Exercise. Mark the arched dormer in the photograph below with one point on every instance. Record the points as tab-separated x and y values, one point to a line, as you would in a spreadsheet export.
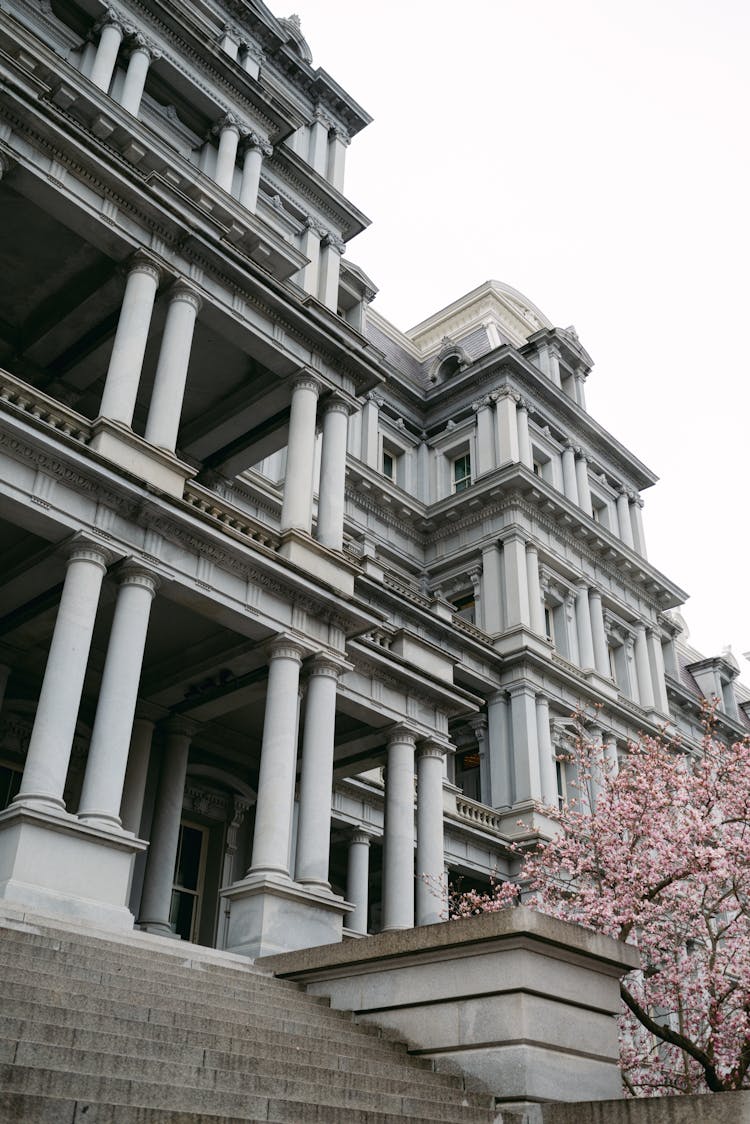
449	361
296	39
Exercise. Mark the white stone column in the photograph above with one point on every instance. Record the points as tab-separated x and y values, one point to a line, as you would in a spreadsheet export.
330	529
499	751
312	234
370	451
330	266
278	760
547	764
398	840
131	337
486	458
507	427
524	440
163	421
318	150
228	130
526	776
536	616
492	612
255	149
571	629
52	736
630	664
107	762
296	510
639	535
582	480
643	668
583	626
610	755
570	483
656	660
515	574
111	32
358	880
430	848
598	635
230	39
623	518
580	383
141	56
338	142
134	786
156	898
316	779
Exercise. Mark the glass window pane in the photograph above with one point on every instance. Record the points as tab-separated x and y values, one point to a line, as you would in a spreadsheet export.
189	857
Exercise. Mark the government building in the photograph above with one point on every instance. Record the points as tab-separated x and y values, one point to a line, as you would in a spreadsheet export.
297	608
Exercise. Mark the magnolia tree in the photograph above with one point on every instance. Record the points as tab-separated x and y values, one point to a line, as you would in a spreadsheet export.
657	853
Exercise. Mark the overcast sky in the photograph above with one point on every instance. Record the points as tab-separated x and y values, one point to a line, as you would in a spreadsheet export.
594	155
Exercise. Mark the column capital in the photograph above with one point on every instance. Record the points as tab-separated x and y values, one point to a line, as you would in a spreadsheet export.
582	585
322	118
110	18
402	734
142	262
137	41
360	835
83	548
184	291
336	404
337	244
341	135
581	454
178	725
594	593
227	122
532	548
432	747
134	572
306	381
250	139
284	647
327	665
522	689
311	222
479	725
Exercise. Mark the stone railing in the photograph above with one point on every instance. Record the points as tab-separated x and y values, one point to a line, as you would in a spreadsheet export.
405	591
35	405
471	811
218	510
471	629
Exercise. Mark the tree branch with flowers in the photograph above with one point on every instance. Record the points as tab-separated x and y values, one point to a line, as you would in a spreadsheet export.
657	853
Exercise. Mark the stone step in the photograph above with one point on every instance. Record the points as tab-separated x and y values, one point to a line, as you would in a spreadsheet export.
280	1109
221	1052
276	1078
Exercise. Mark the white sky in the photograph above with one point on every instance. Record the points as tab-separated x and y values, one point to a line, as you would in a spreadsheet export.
594	155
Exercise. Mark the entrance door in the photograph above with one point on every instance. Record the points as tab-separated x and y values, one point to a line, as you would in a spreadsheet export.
187	889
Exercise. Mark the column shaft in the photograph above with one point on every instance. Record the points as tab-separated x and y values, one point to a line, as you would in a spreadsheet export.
430	850
598	635
126	361
156	899
507	430
251	168
316	781
164	413
486	459
337	145
330	529
51	742
536	616
358	881
308	275
582	480
398	843
547	765
107	762
499	750
296	510
623	519
226	157
526	776
639	535
328	281
135	80
515	574
318	150
643	668
110	39
524	439
570	484
273	818
583	627
134	786
492	592
657	672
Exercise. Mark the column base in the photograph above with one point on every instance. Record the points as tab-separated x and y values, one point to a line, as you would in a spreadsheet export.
55	866
155	466
159	929
327	566
269	914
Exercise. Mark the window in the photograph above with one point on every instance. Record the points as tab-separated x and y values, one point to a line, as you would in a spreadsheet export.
10	782
388	465
461	473
537	467
468	775
466	607
549	624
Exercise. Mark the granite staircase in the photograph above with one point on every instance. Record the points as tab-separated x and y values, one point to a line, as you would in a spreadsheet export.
136	1029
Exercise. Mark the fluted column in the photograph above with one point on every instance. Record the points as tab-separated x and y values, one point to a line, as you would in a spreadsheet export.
255	149
330	266
358	880
316	780
111	32
131	337
330	529
134	785
526	775
623	518
228	129
296	510
156	899
52	736
430	849
570	483
516	602
164	413
583	627
598	635
547	765
524	439
107	762
141	56
643	669
398	840
278	759
536	616
582	480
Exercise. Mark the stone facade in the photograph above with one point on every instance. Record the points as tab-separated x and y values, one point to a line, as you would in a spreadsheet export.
295	605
